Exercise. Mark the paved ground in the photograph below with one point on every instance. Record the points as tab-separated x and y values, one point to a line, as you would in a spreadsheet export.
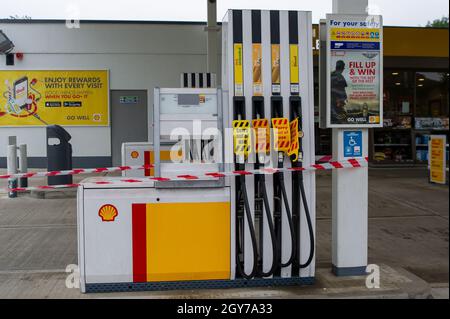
408	238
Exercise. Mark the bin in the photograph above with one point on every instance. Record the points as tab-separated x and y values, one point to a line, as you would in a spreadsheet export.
59	154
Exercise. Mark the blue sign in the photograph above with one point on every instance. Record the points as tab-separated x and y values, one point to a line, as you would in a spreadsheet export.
353	45
353	144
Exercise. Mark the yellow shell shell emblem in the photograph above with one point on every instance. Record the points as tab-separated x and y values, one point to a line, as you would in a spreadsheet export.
108	213
134	154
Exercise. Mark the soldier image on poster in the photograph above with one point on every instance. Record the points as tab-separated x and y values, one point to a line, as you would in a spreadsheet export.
338	92
354	87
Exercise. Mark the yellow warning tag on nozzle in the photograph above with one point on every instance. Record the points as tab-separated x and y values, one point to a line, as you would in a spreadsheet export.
262	135
294	146
282	135
242	137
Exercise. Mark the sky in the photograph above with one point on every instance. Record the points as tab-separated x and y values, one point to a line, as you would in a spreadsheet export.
395	12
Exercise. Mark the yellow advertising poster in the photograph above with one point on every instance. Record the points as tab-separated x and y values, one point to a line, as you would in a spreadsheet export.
238	72
68	98
437	159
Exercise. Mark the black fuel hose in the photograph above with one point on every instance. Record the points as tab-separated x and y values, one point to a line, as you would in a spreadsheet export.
290	222
251	227
291	225
297	114
271	230
310	227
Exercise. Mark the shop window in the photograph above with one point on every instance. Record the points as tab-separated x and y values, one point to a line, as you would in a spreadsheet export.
431	94
431	111
393	143
398	93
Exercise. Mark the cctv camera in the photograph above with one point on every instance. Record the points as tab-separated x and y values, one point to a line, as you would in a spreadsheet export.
5	43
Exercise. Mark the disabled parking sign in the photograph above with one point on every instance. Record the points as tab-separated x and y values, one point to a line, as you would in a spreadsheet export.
352	143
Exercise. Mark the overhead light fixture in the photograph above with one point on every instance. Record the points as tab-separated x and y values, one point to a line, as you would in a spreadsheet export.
419	85
6	44
394	73
398	83
421	79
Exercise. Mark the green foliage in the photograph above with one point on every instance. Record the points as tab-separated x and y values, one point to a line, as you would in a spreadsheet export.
438	23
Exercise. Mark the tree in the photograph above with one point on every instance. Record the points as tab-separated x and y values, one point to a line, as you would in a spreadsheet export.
438	23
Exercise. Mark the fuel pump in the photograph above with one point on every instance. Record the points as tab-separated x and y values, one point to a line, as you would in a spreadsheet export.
262	67
281	140
241	149
296	149
262	147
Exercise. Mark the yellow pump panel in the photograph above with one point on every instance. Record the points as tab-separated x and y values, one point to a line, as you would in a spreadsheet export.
188	241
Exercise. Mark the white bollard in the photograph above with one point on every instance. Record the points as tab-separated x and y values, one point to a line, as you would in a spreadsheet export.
11	164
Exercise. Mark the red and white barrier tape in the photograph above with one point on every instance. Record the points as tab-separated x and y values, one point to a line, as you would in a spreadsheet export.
77	171
350	163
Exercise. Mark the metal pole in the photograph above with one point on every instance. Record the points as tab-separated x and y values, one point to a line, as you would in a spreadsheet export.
11	164
23	164
211	30
349	191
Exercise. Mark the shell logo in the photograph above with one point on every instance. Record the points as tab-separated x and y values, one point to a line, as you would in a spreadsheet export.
134	154
97	117
108	213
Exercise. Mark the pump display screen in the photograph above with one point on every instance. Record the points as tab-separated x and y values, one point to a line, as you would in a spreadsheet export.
188	99
185	103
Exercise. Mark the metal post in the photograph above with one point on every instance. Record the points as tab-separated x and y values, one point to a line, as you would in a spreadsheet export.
11	164
211	30
349	191
23	164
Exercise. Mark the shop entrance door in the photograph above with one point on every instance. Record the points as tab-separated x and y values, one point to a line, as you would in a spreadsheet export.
128	120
